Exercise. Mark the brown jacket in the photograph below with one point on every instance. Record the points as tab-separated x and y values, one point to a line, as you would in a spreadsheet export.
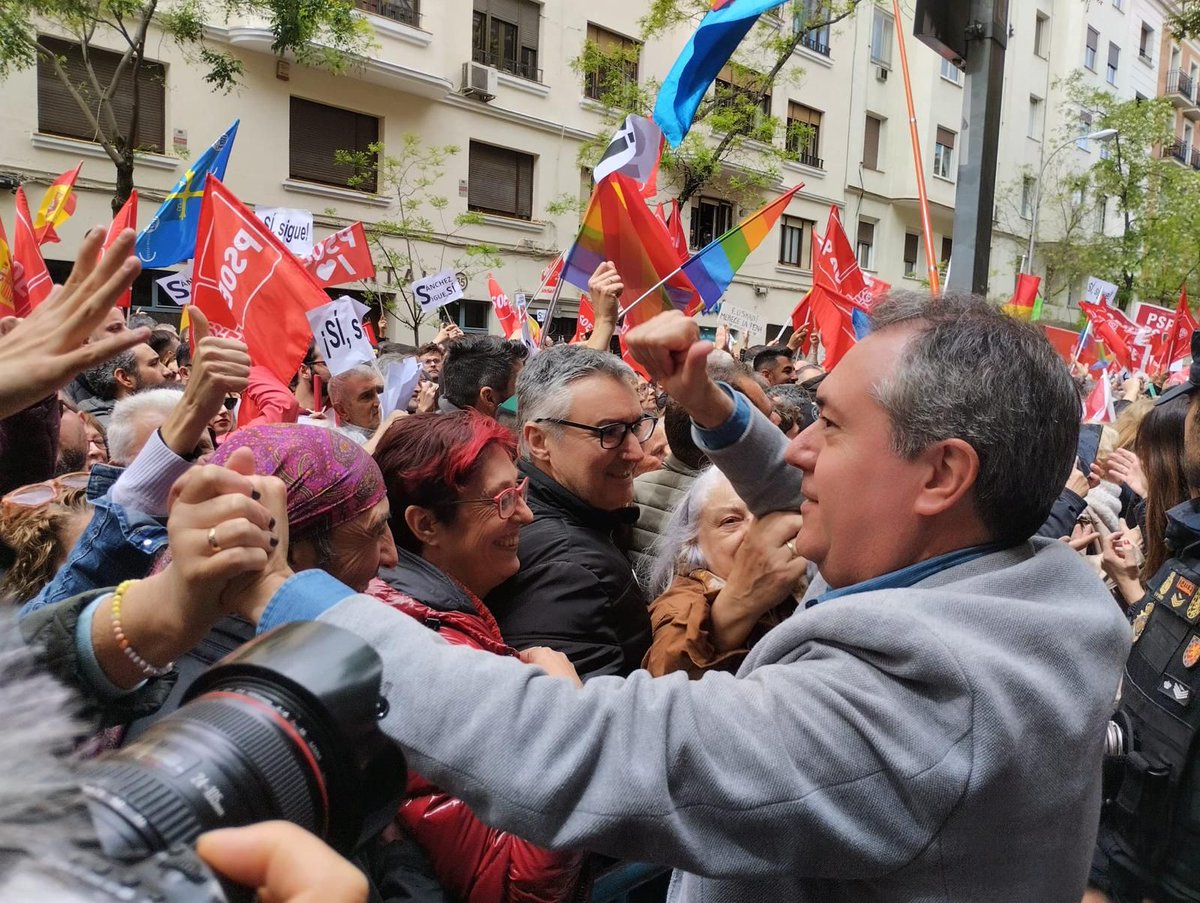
682	624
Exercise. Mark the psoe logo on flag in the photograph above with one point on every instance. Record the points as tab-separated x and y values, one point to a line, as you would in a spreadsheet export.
245	264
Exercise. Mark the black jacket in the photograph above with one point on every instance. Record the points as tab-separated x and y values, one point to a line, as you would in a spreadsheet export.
575	592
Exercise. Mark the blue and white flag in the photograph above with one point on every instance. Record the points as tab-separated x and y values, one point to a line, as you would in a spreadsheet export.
170	236
701	60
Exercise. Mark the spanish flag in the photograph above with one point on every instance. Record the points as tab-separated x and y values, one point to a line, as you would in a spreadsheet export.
7	305
57	206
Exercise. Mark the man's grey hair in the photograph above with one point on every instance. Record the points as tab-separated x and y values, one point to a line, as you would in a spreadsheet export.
102	378
128	413
676	550
544	386
337	385
973	373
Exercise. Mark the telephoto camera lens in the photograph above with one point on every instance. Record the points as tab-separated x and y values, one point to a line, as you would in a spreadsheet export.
286	727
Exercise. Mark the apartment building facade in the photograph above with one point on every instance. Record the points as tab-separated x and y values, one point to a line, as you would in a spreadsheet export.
434	64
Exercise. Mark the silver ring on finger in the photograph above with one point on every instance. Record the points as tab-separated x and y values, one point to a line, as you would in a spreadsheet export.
212	539
791	547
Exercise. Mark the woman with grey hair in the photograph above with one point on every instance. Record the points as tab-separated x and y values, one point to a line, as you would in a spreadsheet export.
722	579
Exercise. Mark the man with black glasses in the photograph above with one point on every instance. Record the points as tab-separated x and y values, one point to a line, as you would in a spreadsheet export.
581	428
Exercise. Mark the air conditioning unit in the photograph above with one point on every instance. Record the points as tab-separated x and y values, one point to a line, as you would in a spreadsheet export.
881	73
479	81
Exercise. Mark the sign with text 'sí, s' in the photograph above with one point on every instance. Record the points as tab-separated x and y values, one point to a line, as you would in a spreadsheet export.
1097	289
746	322
437	290
178	286
338	330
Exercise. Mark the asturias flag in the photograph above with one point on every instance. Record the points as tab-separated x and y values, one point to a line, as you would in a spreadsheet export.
706	52
170	236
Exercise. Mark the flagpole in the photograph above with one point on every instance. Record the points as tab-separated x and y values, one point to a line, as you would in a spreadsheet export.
708	247
926	225
550	310
545	282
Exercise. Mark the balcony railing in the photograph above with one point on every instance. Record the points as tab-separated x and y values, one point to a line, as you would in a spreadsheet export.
523	68
406	11
812	42
1179	84
1178	151
808	159
1145	56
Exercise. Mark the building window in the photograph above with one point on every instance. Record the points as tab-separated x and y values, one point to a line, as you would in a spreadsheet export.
1028	196
1089	51
1036	108
504	34
58	111
1041	35
318	131
1114	62
711	218
881	38
865	247
406	11
804	134
951	72
1146	45
614	66
501	181
1101	212
911	250
795	242
871	138
744	96
1085	129
810	20
947	251
1118	4
943	153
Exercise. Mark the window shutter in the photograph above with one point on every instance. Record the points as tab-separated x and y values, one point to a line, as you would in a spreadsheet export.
871	143
866	233
1114	56
318	132
501	181
1093	39
58	113
528	23
910	248
800	113
945	137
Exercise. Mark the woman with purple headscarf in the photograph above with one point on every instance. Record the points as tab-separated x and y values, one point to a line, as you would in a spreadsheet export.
337	504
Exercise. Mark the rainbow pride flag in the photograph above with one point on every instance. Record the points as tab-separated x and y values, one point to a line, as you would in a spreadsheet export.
712	268
619	226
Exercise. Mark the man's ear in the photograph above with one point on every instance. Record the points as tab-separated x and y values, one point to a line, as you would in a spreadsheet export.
953	470
423	524
487	402
536	442
123	379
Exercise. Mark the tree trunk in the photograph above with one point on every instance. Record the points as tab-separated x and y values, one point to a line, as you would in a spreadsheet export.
124	181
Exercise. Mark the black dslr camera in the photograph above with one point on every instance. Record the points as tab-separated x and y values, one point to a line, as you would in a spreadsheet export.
286	727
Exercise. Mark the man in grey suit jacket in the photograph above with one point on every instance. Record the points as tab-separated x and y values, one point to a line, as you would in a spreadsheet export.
927	728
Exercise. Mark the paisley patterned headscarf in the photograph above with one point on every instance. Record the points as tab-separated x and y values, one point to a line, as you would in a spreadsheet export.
330	480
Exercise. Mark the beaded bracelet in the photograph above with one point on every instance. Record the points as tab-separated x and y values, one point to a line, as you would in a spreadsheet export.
119	635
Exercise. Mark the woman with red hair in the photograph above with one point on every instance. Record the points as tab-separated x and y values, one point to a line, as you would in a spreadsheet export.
457	509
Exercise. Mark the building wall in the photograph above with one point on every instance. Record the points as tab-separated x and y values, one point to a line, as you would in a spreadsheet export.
412	79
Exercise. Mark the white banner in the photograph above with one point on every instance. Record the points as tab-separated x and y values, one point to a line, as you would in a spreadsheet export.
746	322
178	286
339	332
292	227
399	382
1096	288
437	290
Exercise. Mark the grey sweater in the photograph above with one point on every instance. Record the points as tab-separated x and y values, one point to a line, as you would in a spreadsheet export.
940	742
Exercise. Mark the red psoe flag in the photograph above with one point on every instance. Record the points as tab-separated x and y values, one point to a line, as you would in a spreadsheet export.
31	279
250	286
840	263
341	258
126	218
1180	341
1098	407
1115	329
505	313
587	320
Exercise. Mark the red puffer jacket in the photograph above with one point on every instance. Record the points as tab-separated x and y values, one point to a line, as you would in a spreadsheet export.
475	863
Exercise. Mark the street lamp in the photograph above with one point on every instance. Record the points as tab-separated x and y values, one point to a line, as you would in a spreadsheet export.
1101	135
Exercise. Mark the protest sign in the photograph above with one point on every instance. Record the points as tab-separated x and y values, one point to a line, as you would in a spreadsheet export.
1097	288
746	322
339	333
399	382
437	290
292	227
342	257
178	286
1155	318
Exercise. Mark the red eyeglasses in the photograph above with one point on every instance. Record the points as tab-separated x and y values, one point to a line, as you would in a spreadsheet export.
505	501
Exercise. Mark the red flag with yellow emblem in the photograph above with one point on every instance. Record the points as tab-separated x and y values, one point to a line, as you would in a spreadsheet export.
58	203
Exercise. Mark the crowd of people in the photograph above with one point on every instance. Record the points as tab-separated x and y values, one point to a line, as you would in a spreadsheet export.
900	596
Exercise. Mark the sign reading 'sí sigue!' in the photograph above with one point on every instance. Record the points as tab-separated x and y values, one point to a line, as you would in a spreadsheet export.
292	227
437	290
